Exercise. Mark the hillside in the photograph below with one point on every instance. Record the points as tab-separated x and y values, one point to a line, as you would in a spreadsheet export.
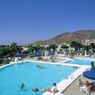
70	36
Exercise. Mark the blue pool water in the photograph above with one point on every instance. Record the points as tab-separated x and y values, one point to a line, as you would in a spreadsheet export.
32	75
80	61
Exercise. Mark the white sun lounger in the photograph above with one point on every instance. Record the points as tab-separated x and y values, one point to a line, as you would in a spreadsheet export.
84	90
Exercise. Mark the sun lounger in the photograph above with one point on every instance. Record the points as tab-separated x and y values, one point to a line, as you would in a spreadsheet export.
84	89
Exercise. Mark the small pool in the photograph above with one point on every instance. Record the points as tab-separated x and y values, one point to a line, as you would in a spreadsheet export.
80	61
33	75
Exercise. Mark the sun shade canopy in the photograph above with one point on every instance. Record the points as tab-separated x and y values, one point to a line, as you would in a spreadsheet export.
89	74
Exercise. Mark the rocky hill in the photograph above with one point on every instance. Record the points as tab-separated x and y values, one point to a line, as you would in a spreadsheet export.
70	36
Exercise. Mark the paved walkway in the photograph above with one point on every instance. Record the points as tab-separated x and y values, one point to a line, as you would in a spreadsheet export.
73	89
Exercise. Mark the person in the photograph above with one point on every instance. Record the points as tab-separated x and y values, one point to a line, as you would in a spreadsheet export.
41	67
35	89
92	65
41	90
83	82
22	86
54	88
87	83
80	84
91	87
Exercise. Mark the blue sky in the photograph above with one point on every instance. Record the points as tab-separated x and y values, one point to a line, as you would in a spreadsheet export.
25	21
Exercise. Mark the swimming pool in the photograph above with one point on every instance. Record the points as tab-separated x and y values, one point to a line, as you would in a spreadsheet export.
33	75
80	61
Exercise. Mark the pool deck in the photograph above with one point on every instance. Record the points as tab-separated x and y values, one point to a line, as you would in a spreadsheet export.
73	89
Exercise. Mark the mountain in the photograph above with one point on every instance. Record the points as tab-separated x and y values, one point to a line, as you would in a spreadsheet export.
67	37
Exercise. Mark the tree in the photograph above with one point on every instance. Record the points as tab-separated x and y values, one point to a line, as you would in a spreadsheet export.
86	48
4	51
14	49
76	45
52	46
64	47
4	54
31	48
38	48
92	46
35	48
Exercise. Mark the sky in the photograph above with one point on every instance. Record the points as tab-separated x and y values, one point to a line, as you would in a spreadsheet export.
26	21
